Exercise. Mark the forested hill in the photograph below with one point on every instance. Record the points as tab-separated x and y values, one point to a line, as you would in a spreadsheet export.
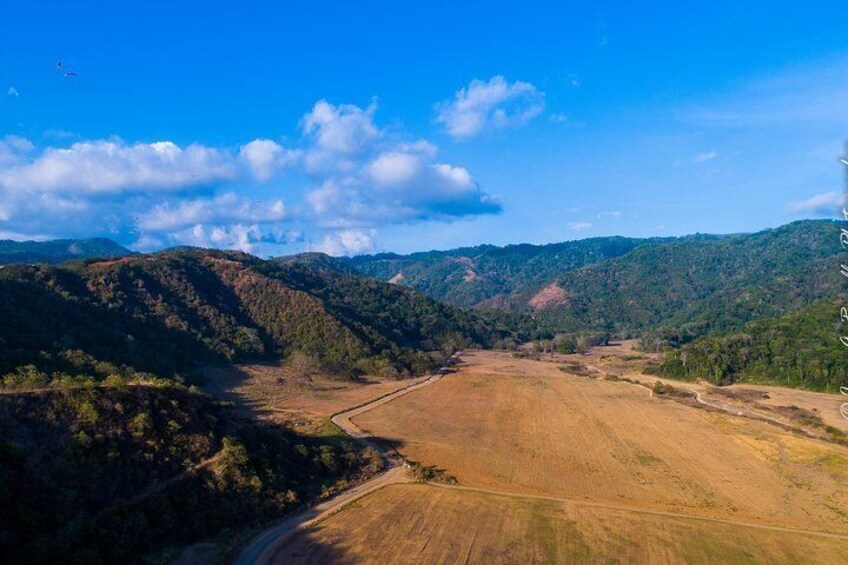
470	276
695	286
690	284
165	313
799	349
58	250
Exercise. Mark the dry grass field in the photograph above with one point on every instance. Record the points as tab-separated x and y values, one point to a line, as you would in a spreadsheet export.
271	391
428	524
523	426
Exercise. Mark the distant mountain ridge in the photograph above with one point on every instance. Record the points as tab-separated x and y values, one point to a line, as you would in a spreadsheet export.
473	276
58	250
629	286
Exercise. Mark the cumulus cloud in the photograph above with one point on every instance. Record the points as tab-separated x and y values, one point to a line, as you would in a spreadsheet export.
495	104
114	166
826	204
225	208
403	183
237	236
346	242
14	150
342	129
266	158
352	176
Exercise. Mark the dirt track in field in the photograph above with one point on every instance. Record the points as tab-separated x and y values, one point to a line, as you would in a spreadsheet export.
558	467
522	426
427	524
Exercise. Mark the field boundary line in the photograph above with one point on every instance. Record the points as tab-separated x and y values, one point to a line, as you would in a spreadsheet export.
662	513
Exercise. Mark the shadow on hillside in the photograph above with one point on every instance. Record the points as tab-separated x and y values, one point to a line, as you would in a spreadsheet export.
262	390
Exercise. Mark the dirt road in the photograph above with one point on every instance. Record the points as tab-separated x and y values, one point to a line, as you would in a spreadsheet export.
261	550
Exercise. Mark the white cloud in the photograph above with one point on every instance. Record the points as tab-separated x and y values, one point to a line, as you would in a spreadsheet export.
237	236
401	184
266	158
495	104
113	167
579	226
559	118
358	177
225	208
14	150
826	204
612	214
704	157
346	242
13	92
395	168
341	129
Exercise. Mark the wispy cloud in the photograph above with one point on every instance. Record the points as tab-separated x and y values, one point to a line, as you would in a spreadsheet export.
612	214
487	105
704	157
812	94
579	226
826	204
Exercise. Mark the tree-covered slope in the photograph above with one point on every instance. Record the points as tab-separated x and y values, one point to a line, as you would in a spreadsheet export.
472	276
165	313
58	250
700	285
111	474
799	349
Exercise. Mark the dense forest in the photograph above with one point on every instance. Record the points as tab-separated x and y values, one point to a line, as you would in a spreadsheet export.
695	286
477	276
109	474
798	349
684	286
163	314
58	250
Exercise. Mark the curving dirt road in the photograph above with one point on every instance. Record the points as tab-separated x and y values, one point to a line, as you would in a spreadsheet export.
264	548
261	549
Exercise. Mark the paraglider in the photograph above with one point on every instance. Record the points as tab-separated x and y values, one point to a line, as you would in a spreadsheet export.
70	74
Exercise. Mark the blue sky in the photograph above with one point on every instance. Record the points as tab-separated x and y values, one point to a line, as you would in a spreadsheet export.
372	126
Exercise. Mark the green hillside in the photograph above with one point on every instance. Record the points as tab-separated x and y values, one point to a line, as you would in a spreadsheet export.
798	349
110	474
165	313
472	276
694	286
674	287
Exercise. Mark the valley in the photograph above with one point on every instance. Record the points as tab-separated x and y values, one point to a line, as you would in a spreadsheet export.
571	467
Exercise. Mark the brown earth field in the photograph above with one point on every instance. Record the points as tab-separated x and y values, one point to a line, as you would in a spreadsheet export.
527	427
273	392
558	467
622	359
427	524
